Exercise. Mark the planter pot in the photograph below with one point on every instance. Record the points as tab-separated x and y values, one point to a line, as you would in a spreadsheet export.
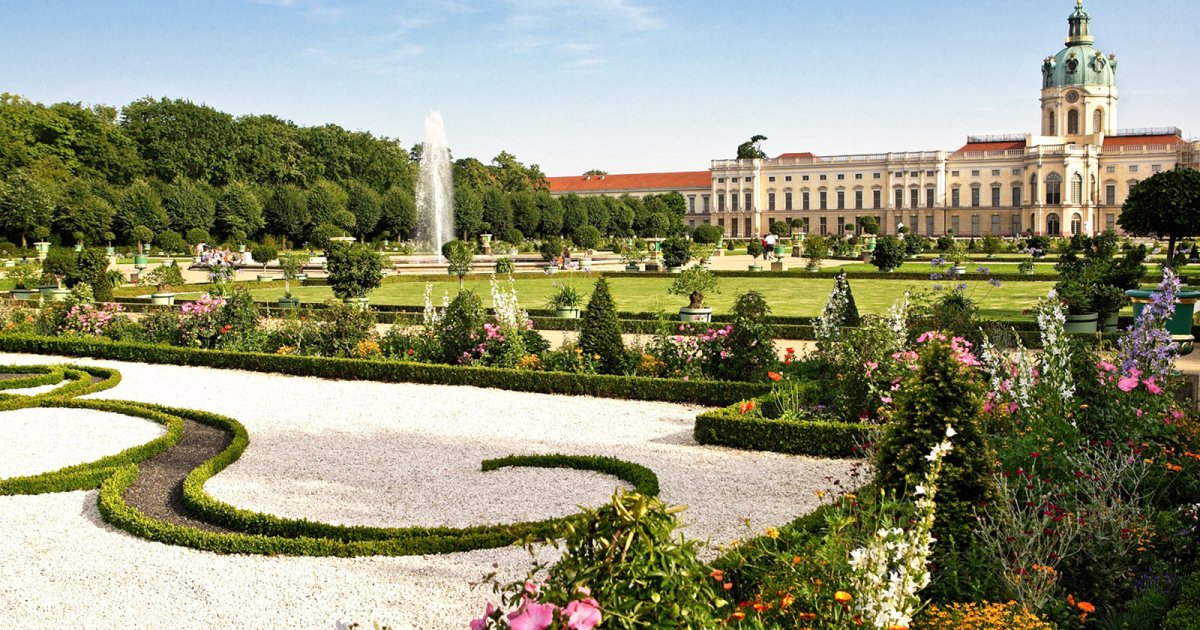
695	314
1108	323
866	257
653	266
22	294
10	263
633	268
42	248
357	302
301	277
755	268
1084	323
959	269
59	295
780	250
813	268
1180	325
585	264
141	259
674	269
289	302
78	247
110	251
265	277
796	251
570	312
162	299
45	290
551	268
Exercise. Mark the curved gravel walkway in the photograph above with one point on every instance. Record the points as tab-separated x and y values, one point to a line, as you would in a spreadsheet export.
371	454
158	491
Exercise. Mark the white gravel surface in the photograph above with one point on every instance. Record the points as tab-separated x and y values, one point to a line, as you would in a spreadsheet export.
34	441
374	454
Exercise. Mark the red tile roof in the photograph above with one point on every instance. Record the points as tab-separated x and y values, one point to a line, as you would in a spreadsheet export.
992	146
1134	141
796	155
636	181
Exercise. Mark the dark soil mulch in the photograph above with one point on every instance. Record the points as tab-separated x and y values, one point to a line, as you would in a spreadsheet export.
158	491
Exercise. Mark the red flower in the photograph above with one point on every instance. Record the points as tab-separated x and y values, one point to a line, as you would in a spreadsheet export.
226	328
746	406
775	376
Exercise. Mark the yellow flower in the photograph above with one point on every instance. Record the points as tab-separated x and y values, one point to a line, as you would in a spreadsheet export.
842	597
772	532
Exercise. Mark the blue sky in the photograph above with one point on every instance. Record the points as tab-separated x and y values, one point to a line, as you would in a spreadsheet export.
620	85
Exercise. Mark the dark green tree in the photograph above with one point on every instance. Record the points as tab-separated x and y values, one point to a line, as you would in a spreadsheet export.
189	206
364	204
83	211
751	149
600	334
140	205
325	201
398	213
468	213
239	211
751	341
179	139
25	206
287	214
497	211
527	216
1167	205
574	214
551	211
354	270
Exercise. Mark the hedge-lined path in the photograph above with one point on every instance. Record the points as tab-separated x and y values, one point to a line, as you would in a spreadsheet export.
158	491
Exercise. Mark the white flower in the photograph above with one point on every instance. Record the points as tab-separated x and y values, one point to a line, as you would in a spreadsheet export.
920	491
950	432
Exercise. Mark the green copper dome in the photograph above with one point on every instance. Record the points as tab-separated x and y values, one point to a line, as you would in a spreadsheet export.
1079	63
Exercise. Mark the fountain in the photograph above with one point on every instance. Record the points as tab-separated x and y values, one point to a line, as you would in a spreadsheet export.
435	187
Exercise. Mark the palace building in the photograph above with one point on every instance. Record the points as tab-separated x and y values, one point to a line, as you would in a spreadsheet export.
1070	177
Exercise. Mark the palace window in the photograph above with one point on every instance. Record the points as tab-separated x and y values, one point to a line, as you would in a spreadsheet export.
995	172
1073	122
996	224
899	198
804	200
858	199
841	200
1156	168
824	226
974	173
1016	196
975	197
749	201
1077	189
787	200
1051	123
1110	194
954	224
1053	189
1111	168
691	204
914	197
823	199
787	178
705	204
733	202
955	197
877	199
841	176
858	176
771	179
1076	224
1098	121
1053	227
771	201
930	197
995	196
1133	168
974	225
1016	224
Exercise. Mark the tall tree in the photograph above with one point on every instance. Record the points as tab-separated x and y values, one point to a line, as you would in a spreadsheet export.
398	213
239	213
325	201
287	213
497	212
83	213
574	213
189	206
26	205
140	205
468	213
551	211
752	149
364	204
179	139
527	216
1167	205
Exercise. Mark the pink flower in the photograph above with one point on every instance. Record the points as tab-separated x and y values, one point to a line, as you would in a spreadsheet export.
1013	407
532	616
582	614
1152	387
1106	366
481	623
1139	413
531	588
887	400
1127	383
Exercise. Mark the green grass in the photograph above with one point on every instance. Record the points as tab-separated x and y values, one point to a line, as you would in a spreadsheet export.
787	296
971	265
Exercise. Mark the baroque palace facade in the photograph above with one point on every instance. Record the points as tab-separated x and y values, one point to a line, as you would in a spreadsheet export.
1070	178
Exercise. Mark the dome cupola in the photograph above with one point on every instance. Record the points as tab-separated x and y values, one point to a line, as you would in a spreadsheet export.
1079	63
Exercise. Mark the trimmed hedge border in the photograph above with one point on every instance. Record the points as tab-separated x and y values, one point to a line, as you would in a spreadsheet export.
40	375
707	393
1186	611
265	533
818	438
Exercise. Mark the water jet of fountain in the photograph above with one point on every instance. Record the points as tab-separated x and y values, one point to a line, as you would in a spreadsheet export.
435	187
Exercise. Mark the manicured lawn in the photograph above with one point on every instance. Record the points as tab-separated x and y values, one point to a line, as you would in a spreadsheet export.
971	265
787	296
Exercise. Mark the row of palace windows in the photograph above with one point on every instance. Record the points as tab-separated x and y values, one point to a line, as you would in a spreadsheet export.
1053	225
1073	127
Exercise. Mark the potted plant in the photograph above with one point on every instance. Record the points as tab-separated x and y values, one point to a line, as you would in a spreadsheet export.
632	256
694	283
1026	266
588	239
550	249
816	247
755	249
459	256
292	266
1077	289
141	235
42	245
25	281
565	300
956	255
356	270
264	254
59	263
108	248
676	253
164	279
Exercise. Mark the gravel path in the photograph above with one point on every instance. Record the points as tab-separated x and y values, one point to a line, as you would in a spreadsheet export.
372	454
34	441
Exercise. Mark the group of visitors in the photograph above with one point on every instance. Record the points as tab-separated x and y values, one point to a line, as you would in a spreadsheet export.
216	256
768	244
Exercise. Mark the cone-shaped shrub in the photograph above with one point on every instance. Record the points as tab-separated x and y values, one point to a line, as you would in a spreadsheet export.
850	313
600	335
942	391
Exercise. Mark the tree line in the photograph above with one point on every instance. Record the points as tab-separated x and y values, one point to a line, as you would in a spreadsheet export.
186	172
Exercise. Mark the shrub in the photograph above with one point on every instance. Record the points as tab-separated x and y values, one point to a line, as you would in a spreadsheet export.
550	248
60	262
320	235
514	236
751	341
24	276
754	248
504	265
354	270
816	249
848	316
163	278
586	237
341	327
195	236
945	242
291	265
707	234
940	393
915	244
600	335
141	235
868	224
91	269
171	242
992	245
889	253
780	229
676	252
458	331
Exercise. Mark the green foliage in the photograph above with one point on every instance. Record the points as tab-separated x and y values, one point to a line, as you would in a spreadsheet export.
600	335
550	248
140	205
754	248
60	262
26	204
171	242
366	206
24	276
468	213
263	253
754	432
354	270
398	213
189	206
565	296
889	253
287	213
780	229
239	212
751	342
941	393
321	235
195	236
91	269
164	277
505	265
1166	205
944	243
676	252
992	245
752	149
182	140
641	570
915	244
849	316
586	237
458	331
341	327
459	256
868	224
325	201
1187	607
816	249
708	234
694	283
141	235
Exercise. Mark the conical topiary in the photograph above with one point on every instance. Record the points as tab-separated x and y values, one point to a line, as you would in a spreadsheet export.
600	335
850	312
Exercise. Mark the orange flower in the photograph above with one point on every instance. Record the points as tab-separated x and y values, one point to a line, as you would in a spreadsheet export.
772	532
807	616
717	575
727	586
841	597
1086	607
787	601
739	615
775	376
1071	600
796	560
746	406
